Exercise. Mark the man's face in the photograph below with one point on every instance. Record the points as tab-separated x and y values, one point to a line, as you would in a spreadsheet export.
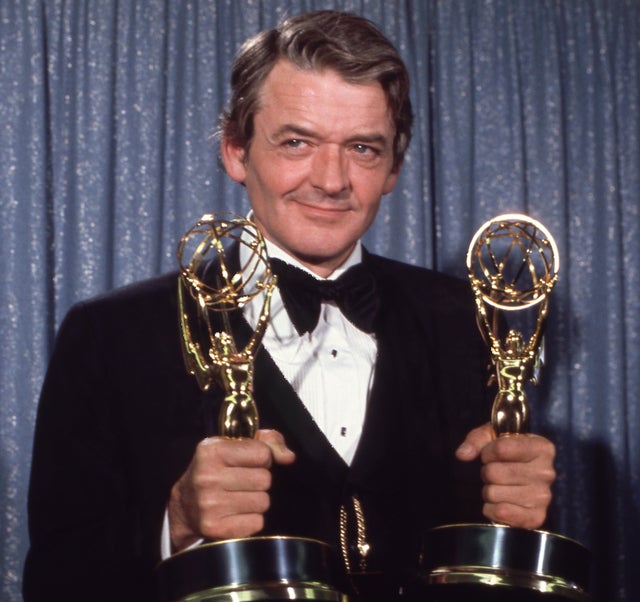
320	159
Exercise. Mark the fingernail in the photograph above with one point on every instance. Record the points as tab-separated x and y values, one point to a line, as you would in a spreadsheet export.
465	449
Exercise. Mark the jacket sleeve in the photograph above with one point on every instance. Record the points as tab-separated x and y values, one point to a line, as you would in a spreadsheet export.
86	541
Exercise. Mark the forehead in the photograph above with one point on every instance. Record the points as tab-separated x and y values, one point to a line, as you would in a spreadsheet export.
323	99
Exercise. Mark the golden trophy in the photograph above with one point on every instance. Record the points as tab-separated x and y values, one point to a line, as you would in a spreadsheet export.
210	292
513	264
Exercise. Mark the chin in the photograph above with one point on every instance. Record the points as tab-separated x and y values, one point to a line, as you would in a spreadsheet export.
330	258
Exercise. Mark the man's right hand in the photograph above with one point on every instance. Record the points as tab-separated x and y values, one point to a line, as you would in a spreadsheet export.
223	494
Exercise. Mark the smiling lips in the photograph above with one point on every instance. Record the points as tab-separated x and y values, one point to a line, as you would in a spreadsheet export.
321	203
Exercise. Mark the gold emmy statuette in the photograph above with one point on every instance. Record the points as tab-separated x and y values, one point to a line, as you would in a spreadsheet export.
513	265
209	292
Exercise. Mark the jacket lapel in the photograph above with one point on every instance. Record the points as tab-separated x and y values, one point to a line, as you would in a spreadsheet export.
402	377
281	408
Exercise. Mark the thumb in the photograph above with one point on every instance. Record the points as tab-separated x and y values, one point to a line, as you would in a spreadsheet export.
276	443
475	442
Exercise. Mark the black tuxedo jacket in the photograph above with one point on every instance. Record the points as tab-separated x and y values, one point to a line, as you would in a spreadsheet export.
119	419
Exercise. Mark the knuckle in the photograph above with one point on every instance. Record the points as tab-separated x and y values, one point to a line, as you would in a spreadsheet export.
264	480
542	448
550	474
491	473
544	498
535	519
503	448
258	523
263	502
198	479
210	527
272	436
503	513
263	455
201	480
546	447
490	494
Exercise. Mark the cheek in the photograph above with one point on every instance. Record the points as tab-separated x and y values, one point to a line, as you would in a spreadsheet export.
261	188
271	180
372	212
371	195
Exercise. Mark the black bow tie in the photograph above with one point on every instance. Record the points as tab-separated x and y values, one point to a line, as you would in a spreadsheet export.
354	292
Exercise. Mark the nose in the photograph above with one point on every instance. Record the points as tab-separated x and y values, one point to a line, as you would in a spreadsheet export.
329	171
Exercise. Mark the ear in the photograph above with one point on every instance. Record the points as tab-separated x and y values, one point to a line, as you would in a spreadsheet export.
233	160
391	180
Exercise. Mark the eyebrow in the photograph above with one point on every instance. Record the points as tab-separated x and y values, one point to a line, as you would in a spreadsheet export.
297	130
290	128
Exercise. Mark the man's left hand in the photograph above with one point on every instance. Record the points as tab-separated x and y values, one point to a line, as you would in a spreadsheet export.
517	471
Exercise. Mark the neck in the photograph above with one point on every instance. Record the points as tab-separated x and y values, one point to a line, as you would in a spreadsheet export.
319	268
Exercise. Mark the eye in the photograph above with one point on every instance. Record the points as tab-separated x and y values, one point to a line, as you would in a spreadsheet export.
295	147
294	143
366	154
363	149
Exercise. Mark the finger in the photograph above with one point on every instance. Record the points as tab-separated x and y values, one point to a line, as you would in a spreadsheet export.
514	515
248	479
214	452
518	473
276	443
475	441
222	505
519	448
233	527
233	479
528	496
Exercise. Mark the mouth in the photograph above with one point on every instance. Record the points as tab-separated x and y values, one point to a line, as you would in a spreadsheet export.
322	208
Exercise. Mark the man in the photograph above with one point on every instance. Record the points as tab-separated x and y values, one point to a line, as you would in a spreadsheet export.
371	422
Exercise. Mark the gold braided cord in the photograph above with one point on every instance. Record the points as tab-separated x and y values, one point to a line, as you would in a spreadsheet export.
362	545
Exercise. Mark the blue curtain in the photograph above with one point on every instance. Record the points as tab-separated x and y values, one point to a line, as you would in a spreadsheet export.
107	111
